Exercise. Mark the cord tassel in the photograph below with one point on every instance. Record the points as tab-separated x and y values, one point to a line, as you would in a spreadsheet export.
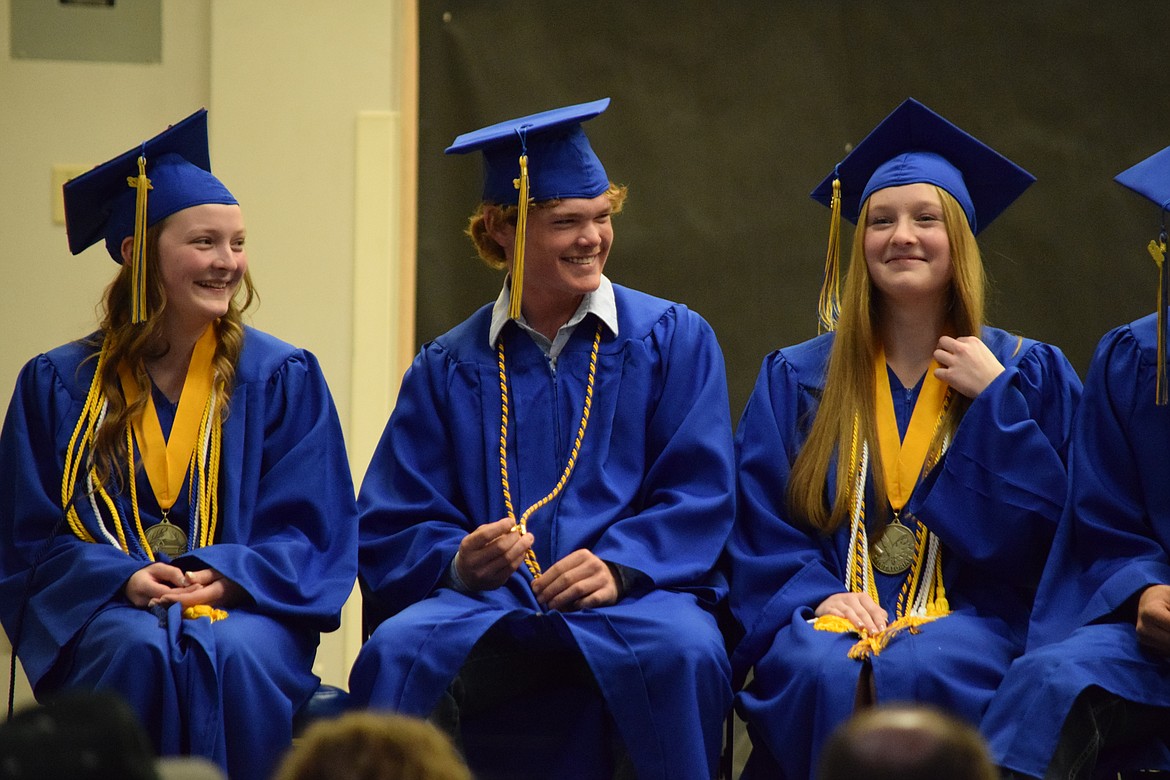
521	233
829	304
1158	252
138	253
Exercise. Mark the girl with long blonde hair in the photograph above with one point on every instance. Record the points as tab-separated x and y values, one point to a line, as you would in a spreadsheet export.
900	475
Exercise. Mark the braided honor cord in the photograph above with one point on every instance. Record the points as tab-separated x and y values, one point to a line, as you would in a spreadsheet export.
521	524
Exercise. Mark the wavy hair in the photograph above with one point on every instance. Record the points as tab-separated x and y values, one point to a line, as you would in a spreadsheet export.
134	345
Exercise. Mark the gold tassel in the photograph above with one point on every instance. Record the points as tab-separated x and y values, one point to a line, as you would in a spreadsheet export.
1158	252
829	305
204	610
939	606
836	624
521	232
872	646
138	253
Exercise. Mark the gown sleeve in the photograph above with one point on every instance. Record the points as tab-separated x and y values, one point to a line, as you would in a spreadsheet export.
288	530
996	496
776	566
1114	536
51	582
684	508
412	515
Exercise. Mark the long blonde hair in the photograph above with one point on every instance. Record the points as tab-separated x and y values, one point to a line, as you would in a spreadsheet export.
134	345
849	379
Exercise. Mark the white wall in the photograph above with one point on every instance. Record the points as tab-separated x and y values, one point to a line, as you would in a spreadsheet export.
76	112
289	83
287	86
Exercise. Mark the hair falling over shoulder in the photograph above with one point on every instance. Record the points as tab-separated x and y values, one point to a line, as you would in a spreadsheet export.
849	380
134	345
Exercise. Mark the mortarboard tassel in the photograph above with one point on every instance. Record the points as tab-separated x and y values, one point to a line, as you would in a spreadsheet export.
521	233
1158	252
829	305
138	253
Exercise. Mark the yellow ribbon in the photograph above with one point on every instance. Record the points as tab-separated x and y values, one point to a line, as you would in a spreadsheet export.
902	459
166	461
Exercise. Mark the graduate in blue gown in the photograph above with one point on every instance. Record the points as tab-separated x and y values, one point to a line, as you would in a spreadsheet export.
900	476
551	493
1092	693
177	517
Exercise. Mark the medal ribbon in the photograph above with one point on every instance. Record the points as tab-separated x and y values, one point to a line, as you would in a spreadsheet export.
902	459
166	460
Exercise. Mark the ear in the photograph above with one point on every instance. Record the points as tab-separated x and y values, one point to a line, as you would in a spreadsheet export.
127	249
501	230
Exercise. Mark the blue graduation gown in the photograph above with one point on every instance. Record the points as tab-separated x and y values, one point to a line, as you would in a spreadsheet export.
1113	542
652	491
287	534
993	500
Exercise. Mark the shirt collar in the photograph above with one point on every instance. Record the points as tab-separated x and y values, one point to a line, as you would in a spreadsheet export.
601	303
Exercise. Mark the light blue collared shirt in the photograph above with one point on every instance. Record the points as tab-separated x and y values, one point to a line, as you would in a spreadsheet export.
600	303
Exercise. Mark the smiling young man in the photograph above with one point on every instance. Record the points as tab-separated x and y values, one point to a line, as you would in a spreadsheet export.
542	515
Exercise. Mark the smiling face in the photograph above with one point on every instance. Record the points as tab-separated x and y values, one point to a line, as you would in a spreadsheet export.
564	255
201	262
907	247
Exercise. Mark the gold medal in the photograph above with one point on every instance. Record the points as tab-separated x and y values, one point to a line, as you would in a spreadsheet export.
894	551
166	537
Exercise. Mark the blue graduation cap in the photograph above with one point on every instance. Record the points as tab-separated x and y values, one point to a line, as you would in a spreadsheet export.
1151	179
535	158
561	163
135	190
913	145
910	146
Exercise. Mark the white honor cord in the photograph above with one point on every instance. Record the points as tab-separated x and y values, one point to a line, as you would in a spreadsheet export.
856	527
91	490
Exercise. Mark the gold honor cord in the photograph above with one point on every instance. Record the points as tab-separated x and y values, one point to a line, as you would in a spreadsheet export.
77	457
83	433
829	303
1157	251
167	462
521	524
922	597
138	253
205	472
